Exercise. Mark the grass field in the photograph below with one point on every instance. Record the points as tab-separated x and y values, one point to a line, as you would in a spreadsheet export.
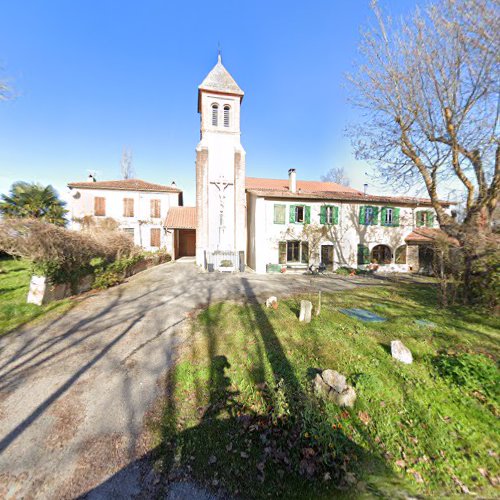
240	413
14	284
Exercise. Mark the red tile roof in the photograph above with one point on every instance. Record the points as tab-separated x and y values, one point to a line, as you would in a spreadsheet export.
310	186
428	235
181	218
274	188
126	185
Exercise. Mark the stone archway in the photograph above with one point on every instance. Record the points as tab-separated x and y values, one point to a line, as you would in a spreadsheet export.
381	254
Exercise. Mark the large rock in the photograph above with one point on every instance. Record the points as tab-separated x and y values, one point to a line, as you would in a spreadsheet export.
400	352
334	379
345	398
305	311
332	385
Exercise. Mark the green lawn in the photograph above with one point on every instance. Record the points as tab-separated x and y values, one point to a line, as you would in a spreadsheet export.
240	413
14	284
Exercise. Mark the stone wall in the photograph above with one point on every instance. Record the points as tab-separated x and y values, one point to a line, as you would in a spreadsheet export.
42	292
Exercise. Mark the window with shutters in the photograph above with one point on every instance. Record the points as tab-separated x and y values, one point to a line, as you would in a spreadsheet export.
128	207
300	214
329	215
99	206
293	252
156	208
155	237
227	111
425	218
390	216
368	216
279	214
215	115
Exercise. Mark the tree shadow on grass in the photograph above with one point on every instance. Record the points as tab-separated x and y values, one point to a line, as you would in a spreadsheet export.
283	447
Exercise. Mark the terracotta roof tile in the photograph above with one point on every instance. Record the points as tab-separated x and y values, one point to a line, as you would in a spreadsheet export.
181	218
309	186
126	185
356	197
428	235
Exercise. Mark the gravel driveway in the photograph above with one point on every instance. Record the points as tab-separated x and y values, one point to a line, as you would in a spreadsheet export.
74	390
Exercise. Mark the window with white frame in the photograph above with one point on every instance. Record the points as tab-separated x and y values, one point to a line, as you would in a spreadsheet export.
368	215
389	216
329	215
299	213
297	252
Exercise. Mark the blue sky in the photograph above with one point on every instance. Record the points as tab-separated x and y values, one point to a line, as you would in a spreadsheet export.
91	77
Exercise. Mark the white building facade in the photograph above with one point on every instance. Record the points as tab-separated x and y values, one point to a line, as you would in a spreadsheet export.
139	208
321	224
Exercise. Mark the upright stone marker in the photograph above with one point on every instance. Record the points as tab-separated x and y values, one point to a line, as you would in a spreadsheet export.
305	311
400	352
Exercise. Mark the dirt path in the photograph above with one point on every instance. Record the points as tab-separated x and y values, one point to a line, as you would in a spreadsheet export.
74	391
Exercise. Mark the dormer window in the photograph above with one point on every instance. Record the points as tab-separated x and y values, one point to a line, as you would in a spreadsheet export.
215	114
227	109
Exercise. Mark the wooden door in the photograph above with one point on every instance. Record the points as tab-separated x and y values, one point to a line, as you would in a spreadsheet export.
187	242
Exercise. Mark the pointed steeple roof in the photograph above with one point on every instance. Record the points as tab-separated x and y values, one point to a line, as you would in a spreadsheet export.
219	80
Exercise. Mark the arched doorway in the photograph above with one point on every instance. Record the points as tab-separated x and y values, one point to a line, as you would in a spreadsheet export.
381	254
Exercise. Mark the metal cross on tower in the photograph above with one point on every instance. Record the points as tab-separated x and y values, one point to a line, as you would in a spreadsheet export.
221	184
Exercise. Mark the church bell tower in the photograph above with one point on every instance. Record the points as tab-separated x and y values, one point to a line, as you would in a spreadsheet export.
220	167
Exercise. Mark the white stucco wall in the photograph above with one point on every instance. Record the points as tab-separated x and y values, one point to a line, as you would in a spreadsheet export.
82	204
264	236
222	143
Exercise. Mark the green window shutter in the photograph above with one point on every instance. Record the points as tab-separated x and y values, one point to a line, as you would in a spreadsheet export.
429	221
395	217
282	252
279	214
362	215
322	215
382	216
335	215
420	219
307	217
292	213
363	254
375	216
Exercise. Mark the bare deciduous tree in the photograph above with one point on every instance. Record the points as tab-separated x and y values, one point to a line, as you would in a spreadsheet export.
127	168
336	175
429	90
